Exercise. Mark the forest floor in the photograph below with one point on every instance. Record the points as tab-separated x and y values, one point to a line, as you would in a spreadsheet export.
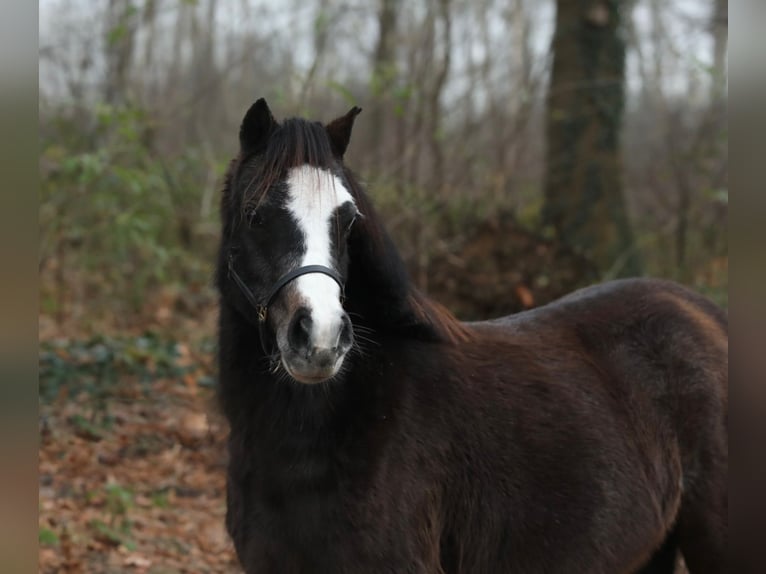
132	459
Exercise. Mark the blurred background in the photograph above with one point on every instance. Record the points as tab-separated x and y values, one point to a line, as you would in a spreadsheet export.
517	149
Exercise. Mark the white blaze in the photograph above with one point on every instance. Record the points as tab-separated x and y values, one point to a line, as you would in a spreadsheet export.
313	196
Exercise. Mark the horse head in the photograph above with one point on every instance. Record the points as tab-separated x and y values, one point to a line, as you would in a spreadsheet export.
287	215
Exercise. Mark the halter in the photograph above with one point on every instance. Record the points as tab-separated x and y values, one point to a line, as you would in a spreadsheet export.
262	308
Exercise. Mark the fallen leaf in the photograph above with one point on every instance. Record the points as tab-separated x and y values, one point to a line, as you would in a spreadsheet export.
525	296
136	560
193	428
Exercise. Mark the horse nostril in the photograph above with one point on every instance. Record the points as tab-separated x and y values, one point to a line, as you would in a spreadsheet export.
299	334
346	333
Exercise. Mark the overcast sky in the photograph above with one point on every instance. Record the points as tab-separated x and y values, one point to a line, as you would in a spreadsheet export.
73	30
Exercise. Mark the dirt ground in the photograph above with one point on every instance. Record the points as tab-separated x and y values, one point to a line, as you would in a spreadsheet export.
132	461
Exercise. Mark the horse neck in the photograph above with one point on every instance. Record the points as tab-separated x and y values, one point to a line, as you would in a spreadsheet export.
254	393
379	293
275	422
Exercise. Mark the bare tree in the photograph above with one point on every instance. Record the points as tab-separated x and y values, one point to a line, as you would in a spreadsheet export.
720	30
435	134
384	74
583	184
203	70
149	24
119	42
322	32
176	66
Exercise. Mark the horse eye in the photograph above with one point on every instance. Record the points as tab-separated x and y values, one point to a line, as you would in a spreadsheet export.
255	218
356	216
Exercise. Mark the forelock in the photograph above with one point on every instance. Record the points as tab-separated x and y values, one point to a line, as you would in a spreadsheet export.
295	143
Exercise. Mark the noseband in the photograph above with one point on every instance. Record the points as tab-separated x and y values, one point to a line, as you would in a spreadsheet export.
262	307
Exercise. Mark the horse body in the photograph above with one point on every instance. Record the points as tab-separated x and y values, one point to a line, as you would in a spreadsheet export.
577	437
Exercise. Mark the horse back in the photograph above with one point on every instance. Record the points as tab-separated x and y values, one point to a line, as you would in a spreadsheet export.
659	345
634	326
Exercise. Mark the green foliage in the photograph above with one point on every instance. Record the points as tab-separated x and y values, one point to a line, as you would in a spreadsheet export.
160	499
47	537
96	366
84	427
120	32
117	535
340	89
383	78
117	529
719	195
118	500
121	216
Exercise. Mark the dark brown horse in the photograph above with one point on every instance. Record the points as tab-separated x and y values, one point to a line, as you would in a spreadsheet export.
372	432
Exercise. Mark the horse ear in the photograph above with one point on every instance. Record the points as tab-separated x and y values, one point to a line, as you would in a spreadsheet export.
339	131
257	126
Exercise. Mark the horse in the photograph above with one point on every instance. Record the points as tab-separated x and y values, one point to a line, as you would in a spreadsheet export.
370	431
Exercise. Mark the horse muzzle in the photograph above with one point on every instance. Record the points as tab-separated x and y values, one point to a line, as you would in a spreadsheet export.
322	365
315	352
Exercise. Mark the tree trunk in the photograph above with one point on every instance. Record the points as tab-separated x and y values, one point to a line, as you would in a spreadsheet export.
178	66
720	31
119	41
434	105
322	33
426	54
583	200
204	84
384	75
148	77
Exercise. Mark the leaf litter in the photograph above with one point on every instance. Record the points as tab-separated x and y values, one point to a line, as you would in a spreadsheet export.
132	459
